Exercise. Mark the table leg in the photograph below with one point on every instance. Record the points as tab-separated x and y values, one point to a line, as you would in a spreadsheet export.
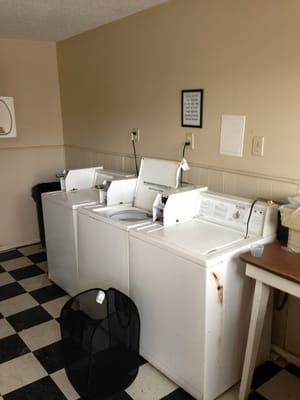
259	307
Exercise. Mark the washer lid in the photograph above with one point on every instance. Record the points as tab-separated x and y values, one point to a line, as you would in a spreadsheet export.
154	177
196	238
73	199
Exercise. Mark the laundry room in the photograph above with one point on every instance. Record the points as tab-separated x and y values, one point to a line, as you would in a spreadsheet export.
149	172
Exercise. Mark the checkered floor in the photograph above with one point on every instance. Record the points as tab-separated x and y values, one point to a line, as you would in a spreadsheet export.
31	366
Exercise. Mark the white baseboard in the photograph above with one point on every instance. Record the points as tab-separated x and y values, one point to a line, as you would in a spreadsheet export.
290	358
14	246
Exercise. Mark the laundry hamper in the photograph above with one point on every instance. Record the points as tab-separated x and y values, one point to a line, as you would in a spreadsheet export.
291	219
100	335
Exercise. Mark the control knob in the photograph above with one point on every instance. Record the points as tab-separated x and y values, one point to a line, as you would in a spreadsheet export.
236	215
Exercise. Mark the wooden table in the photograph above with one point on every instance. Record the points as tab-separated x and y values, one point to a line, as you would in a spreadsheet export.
277	268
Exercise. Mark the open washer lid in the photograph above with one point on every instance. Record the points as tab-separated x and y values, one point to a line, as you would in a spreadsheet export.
155	176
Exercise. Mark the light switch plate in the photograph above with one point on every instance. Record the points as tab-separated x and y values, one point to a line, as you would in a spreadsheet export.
258	146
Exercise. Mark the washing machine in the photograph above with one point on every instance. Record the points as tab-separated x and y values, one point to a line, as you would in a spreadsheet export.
103	245
103	230
60	219
192	294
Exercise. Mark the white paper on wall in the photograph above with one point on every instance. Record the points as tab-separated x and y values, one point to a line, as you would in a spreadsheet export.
7	118
232	135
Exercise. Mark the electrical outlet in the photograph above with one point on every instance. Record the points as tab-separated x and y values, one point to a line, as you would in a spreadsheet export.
135	134
258	146
189	137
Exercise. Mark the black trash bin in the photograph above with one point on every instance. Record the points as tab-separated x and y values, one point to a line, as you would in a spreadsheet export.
100	337
36	192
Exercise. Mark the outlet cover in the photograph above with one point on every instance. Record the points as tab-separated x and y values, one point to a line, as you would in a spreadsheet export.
135	134
189	137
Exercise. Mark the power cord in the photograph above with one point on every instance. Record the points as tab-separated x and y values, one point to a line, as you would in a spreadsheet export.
135	159
249	216
279	304
186	144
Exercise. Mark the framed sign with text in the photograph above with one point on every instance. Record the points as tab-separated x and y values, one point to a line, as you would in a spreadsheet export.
192	108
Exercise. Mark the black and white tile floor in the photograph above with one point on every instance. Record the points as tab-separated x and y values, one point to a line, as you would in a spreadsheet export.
31	366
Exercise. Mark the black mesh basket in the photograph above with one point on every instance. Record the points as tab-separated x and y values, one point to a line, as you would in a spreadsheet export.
100	334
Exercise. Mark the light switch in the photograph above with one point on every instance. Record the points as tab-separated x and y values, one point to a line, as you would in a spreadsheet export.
258	146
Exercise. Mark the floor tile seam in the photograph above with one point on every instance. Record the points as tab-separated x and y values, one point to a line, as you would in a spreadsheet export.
17	356
27	309
22	387
26	354
33	326
20	255
47	345
26	266
17	285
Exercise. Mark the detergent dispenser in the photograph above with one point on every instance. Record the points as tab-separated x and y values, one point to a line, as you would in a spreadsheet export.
174	206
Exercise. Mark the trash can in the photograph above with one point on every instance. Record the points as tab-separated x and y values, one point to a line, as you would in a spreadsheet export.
100	338
36	192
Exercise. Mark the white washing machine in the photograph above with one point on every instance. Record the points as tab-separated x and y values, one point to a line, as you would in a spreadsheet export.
103	246
103	231
192	294
60	219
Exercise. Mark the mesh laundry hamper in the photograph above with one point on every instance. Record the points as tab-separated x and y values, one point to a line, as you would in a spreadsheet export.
100	335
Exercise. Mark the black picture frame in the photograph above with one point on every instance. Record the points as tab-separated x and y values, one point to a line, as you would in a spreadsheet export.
196	96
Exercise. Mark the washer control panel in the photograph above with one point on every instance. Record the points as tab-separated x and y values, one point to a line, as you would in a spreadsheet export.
233	212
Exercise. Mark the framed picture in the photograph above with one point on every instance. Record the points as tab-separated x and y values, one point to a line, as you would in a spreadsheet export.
192	108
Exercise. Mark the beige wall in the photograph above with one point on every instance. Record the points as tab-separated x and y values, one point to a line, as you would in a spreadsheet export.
28	72
128	74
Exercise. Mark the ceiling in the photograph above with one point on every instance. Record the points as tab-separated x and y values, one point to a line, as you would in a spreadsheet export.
55	20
